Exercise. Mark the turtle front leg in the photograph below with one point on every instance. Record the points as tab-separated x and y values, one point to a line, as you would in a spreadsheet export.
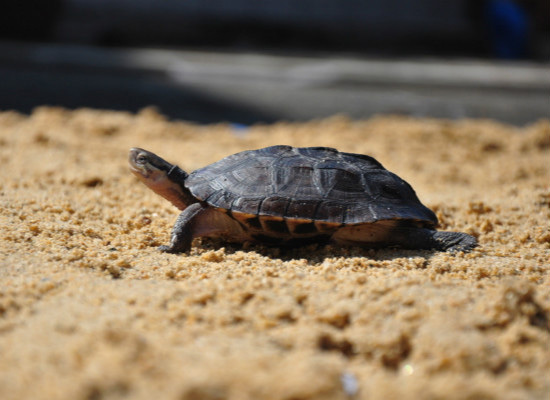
200	220
184	228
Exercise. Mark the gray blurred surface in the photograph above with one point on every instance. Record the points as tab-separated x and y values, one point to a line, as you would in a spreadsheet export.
248	88
374	24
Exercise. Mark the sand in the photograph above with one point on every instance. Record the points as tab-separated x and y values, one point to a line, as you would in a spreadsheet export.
89	309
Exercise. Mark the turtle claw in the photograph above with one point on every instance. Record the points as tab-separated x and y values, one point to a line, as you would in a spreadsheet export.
164	249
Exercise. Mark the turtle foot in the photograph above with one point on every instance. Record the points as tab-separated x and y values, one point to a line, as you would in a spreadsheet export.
169	249
454	241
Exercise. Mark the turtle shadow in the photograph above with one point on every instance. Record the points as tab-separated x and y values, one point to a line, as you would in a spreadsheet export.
318	253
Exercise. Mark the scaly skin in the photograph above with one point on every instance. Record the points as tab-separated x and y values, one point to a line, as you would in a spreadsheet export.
163	178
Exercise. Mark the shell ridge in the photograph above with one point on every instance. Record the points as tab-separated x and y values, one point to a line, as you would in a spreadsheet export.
273	175
260	203
317	178
317	208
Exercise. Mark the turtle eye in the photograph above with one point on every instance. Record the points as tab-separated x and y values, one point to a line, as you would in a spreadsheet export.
141	159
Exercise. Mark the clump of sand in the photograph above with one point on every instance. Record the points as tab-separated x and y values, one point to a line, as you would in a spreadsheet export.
89	309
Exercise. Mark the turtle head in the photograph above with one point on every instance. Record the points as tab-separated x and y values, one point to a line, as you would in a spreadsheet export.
159	175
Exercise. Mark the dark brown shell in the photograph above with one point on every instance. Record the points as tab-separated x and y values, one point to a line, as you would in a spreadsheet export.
311	183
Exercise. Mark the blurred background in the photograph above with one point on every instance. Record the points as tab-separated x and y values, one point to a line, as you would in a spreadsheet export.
248	61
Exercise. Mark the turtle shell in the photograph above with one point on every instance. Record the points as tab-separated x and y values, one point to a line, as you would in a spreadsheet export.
317	184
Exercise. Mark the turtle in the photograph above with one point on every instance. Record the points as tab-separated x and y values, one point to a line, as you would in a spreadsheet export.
290	196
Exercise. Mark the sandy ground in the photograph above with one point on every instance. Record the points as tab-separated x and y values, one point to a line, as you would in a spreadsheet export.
89	309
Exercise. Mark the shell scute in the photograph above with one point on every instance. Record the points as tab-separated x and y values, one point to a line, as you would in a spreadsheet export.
274	206
303	209
304	228
275	225
248	205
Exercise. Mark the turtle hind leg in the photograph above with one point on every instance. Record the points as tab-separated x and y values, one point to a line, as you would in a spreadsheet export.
429	239
453	241
403	234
